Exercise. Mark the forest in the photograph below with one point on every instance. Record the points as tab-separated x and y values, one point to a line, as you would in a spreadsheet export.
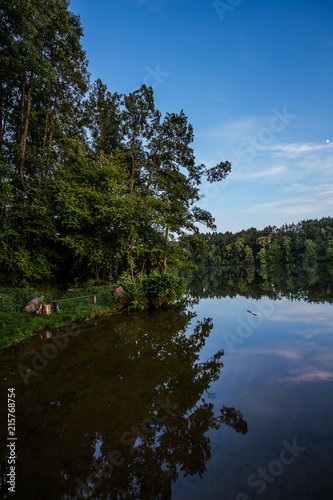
92	182
309	242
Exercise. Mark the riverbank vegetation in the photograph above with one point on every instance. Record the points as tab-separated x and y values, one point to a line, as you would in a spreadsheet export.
134	295
18	326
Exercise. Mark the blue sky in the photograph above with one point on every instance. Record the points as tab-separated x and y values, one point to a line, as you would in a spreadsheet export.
254	78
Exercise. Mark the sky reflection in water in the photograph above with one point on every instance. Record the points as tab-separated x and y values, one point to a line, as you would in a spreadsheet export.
279	374
141	398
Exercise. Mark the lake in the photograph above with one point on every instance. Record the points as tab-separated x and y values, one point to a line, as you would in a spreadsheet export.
227	397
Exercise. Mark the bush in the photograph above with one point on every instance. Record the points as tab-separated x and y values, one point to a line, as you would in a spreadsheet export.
134	295
163	289
13	299
155	290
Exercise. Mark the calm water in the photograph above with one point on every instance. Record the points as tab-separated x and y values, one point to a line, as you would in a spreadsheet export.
229	398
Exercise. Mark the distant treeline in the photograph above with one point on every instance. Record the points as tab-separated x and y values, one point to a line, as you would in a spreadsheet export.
308	241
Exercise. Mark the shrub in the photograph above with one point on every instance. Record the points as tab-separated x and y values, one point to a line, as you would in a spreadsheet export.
162	289
13	299
155	290
135	298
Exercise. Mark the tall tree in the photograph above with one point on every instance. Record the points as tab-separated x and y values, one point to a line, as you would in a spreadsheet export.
103	119
43	76
90	202
161	166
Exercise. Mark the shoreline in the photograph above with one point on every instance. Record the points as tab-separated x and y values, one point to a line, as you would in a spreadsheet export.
18	326
24	336
154	291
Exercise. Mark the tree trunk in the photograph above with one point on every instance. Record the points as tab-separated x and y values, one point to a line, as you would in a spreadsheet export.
143	266
48	154
44	310
2	127
97	274
22	109
130	256
165	248
49	128
133	160
104	274
151	172
24	125
46	128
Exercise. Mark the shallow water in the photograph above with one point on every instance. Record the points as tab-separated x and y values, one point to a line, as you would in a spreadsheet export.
230	398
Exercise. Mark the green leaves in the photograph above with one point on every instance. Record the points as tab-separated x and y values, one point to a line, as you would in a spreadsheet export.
155	290
308	242
90	183
219	172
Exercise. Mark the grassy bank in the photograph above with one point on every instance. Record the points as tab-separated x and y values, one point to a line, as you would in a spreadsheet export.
18	326
157	290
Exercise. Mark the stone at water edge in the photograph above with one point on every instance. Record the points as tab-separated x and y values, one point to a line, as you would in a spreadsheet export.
29	308
31	305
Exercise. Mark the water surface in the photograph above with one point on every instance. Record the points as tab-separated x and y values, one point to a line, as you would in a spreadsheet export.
229	398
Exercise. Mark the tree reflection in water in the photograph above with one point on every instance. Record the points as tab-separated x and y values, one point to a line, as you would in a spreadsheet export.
103	394
310	283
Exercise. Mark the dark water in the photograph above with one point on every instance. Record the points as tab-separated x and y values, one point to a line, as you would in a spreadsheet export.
229	398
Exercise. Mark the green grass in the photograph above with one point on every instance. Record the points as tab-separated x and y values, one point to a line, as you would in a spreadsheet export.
18	326
153	291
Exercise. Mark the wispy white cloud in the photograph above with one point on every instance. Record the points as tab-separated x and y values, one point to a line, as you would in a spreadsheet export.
320	162
303	313
298	188
321	189
296	149
268	173
320	199
236	131
325	190
311	374
284	180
